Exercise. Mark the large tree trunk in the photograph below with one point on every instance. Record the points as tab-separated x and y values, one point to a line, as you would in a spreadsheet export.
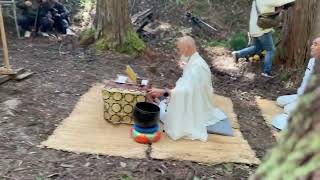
297	34
114	30
316	28
113	22
297	155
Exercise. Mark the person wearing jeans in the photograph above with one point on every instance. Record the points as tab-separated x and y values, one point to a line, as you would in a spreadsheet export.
262	38
260	44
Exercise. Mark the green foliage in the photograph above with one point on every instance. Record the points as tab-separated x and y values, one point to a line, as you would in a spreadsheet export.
180	2
126	177
238	41
39	178
102	44
87	36
218	43
200	7
87	3
285	76
133	44
276	35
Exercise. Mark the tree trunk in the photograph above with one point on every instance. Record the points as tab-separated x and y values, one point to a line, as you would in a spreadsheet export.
113	22
297	34
297	155
316	28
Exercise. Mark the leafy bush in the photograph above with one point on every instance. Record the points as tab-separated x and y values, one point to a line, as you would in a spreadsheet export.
238	41
102	44
219	43
180	2
87	36
133	44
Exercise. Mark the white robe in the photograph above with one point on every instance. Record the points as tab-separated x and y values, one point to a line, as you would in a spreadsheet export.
190	109
290	102
283	101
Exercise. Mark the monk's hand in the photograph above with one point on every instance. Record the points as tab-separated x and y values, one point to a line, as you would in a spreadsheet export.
155	93
182	64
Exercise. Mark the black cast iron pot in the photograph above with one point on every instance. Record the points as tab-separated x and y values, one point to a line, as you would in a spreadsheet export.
146	114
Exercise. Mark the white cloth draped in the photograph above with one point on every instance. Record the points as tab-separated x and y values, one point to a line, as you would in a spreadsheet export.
282	101
190	109
307	76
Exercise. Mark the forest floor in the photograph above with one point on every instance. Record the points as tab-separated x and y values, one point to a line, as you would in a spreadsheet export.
30	110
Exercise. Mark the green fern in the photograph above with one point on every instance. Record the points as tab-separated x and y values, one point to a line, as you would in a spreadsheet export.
238	41
133	44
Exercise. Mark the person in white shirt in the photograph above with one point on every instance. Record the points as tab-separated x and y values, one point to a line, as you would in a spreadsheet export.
190	109
289	102
261	38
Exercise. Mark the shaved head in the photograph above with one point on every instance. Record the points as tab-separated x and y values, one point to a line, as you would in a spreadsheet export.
186	46
187	41
315	48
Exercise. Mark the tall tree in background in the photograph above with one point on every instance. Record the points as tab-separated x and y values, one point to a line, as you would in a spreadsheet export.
113	29
299	30
316	28
297	155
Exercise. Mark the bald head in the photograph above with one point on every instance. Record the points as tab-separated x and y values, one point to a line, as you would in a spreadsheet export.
315	48
186	46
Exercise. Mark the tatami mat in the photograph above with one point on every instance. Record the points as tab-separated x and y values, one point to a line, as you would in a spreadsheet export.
269	109
86	131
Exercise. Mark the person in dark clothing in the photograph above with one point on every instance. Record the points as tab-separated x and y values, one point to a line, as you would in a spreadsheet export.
60	16
35	10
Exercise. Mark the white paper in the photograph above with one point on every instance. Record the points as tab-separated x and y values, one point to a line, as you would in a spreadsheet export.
144	82
121	79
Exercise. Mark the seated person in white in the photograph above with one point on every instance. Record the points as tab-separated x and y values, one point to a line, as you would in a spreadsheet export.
190	108
289	102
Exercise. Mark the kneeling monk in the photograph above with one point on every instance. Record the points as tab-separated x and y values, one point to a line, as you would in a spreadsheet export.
289	102
190	109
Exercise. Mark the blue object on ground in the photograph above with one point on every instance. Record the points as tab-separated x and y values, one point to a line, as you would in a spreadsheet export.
150	130
222	127
281	121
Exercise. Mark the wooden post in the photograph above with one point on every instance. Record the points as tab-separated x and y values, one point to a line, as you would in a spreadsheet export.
16	18
7	67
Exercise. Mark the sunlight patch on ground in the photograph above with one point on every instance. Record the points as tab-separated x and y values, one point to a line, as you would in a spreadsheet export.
164	26
250	76
224	63
10	105
221	59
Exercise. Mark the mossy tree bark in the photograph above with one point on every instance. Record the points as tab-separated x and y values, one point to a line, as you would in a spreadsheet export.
112	23
113	29
297	154
299	27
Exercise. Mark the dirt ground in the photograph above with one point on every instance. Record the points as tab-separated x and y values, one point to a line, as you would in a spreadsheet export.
31	109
